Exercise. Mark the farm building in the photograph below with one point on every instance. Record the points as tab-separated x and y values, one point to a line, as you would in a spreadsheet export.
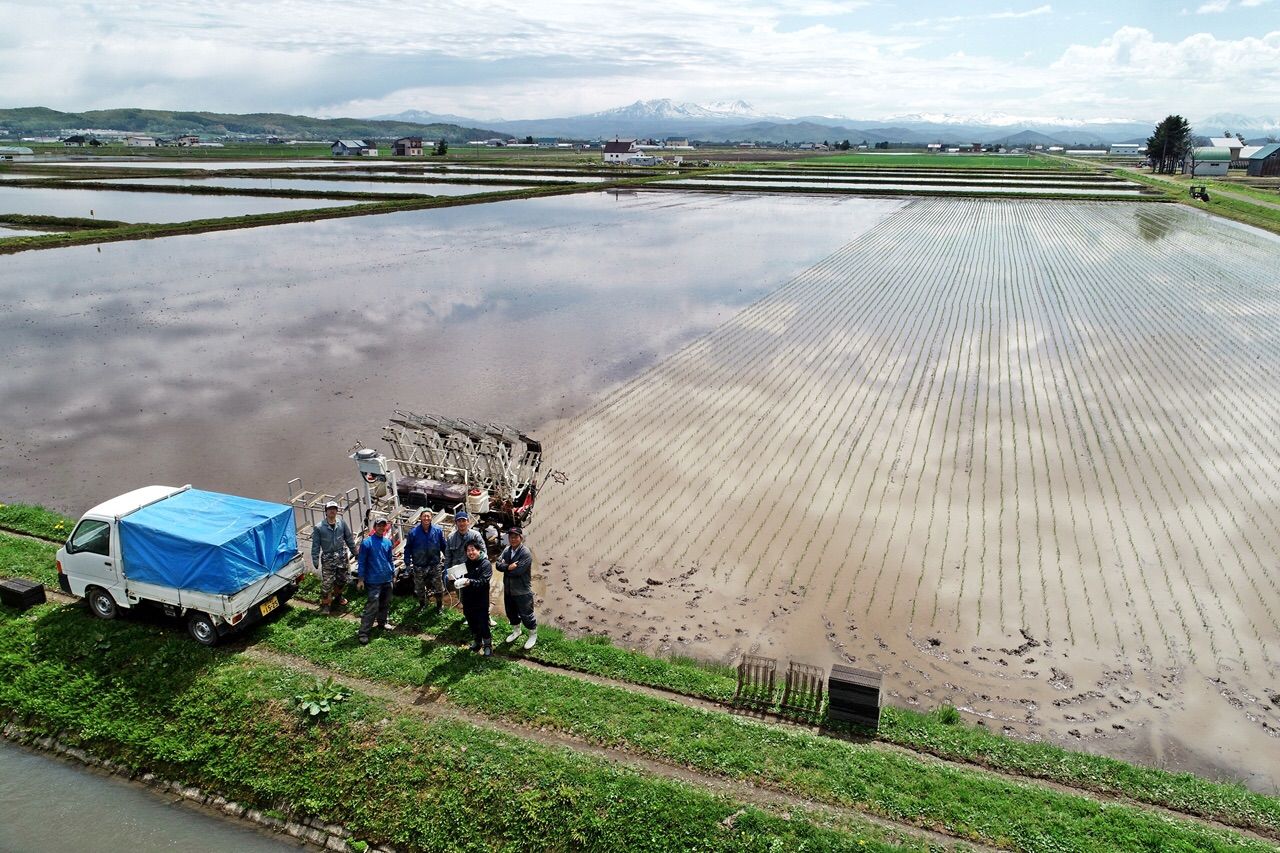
76	141
1265	162
352	148
407	146
139	142
1205	162
1230	143
1127	149
620	151
187	141
15	152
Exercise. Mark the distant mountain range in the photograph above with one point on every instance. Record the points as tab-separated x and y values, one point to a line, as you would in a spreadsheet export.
727	121
41	121
735	121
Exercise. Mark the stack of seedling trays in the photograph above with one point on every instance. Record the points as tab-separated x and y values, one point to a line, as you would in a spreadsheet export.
853	696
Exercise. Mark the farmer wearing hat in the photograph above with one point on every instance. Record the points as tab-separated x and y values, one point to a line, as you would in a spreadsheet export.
331	542
423	548
455	549
516	564
375	571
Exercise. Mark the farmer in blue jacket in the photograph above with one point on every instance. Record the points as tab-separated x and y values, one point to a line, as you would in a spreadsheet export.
375	571
423	549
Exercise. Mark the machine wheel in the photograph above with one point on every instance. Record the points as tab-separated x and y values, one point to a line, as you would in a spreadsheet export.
201	628
101	604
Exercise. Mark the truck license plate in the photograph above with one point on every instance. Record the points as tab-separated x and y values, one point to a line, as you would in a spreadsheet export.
270	604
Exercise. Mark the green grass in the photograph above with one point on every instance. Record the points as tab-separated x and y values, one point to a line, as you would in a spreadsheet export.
949	161
63	223
406	659
152	701
965	804
1237	209
23	558
35	521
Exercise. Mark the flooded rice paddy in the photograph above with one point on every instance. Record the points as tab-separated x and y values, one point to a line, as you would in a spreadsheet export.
1019	456
932	186
308	185
127	206
240	359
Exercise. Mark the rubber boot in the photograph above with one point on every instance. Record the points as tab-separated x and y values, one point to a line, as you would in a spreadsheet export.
532	641
514	635
488	649
475	645
325	604
439	602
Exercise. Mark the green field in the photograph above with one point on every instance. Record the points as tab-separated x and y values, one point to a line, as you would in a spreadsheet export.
945	161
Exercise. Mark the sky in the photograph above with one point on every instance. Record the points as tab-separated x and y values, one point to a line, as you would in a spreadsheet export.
1089	60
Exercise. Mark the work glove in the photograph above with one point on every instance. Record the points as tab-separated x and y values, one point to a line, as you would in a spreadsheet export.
461	582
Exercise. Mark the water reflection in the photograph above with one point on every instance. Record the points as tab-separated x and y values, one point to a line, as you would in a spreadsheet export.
308	185
144	207
239	359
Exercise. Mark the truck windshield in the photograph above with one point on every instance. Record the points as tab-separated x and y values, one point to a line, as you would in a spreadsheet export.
92	537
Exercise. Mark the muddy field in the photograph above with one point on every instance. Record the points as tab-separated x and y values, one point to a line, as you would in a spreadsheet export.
1019	456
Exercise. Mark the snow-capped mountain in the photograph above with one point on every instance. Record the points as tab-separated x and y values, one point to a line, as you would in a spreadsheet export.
738	120
665	109
1219	123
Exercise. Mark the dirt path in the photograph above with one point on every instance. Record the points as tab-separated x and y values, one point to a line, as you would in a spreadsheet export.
430	702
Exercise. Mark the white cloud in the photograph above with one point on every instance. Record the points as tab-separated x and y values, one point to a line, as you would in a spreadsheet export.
951	20
1213	7
525	58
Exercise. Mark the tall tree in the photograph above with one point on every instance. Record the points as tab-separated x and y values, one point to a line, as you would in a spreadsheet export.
1167	147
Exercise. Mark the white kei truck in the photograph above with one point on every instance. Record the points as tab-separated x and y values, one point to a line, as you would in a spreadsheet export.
218	562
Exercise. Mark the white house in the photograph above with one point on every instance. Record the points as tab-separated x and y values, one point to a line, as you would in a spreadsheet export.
140	142
1127	149
620	151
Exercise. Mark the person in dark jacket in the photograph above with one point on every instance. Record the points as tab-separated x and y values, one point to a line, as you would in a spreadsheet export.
375	571
516	565
473	588
455	549
423	550
331	541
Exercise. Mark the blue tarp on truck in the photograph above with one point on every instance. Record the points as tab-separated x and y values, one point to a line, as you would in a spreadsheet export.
207	542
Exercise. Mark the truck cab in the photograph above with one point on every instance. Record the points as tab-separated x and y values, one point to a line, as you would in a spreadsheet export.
219	562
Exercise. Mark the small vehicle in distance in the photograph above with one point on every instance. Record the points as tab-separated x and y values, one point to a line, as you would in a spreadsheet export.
219	562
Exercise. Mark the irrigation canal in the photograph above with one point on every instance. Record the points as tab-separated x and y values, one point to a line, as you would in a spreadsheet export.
48	806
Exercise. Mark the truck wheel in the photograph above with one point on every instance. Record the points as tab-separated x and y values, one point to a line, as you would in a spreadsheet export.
101	604
202	629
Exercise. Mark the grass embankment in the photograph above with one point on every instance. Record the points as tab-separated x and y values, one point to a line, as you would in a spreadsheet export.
1240	210
863	776
148	699
63	223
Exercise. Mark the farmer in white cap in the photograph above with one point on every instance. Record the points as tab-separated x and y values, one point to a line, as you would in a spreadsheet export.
331	542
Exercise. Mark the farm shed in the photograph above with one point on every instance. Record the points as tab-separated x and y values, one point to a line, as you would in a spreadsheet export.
1230	143
15	152
1265	162
407	146
352	148
139	142
1203	162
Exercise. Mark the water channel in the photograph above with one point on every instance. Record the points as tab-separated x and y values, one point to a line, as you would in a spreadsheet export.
52	806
